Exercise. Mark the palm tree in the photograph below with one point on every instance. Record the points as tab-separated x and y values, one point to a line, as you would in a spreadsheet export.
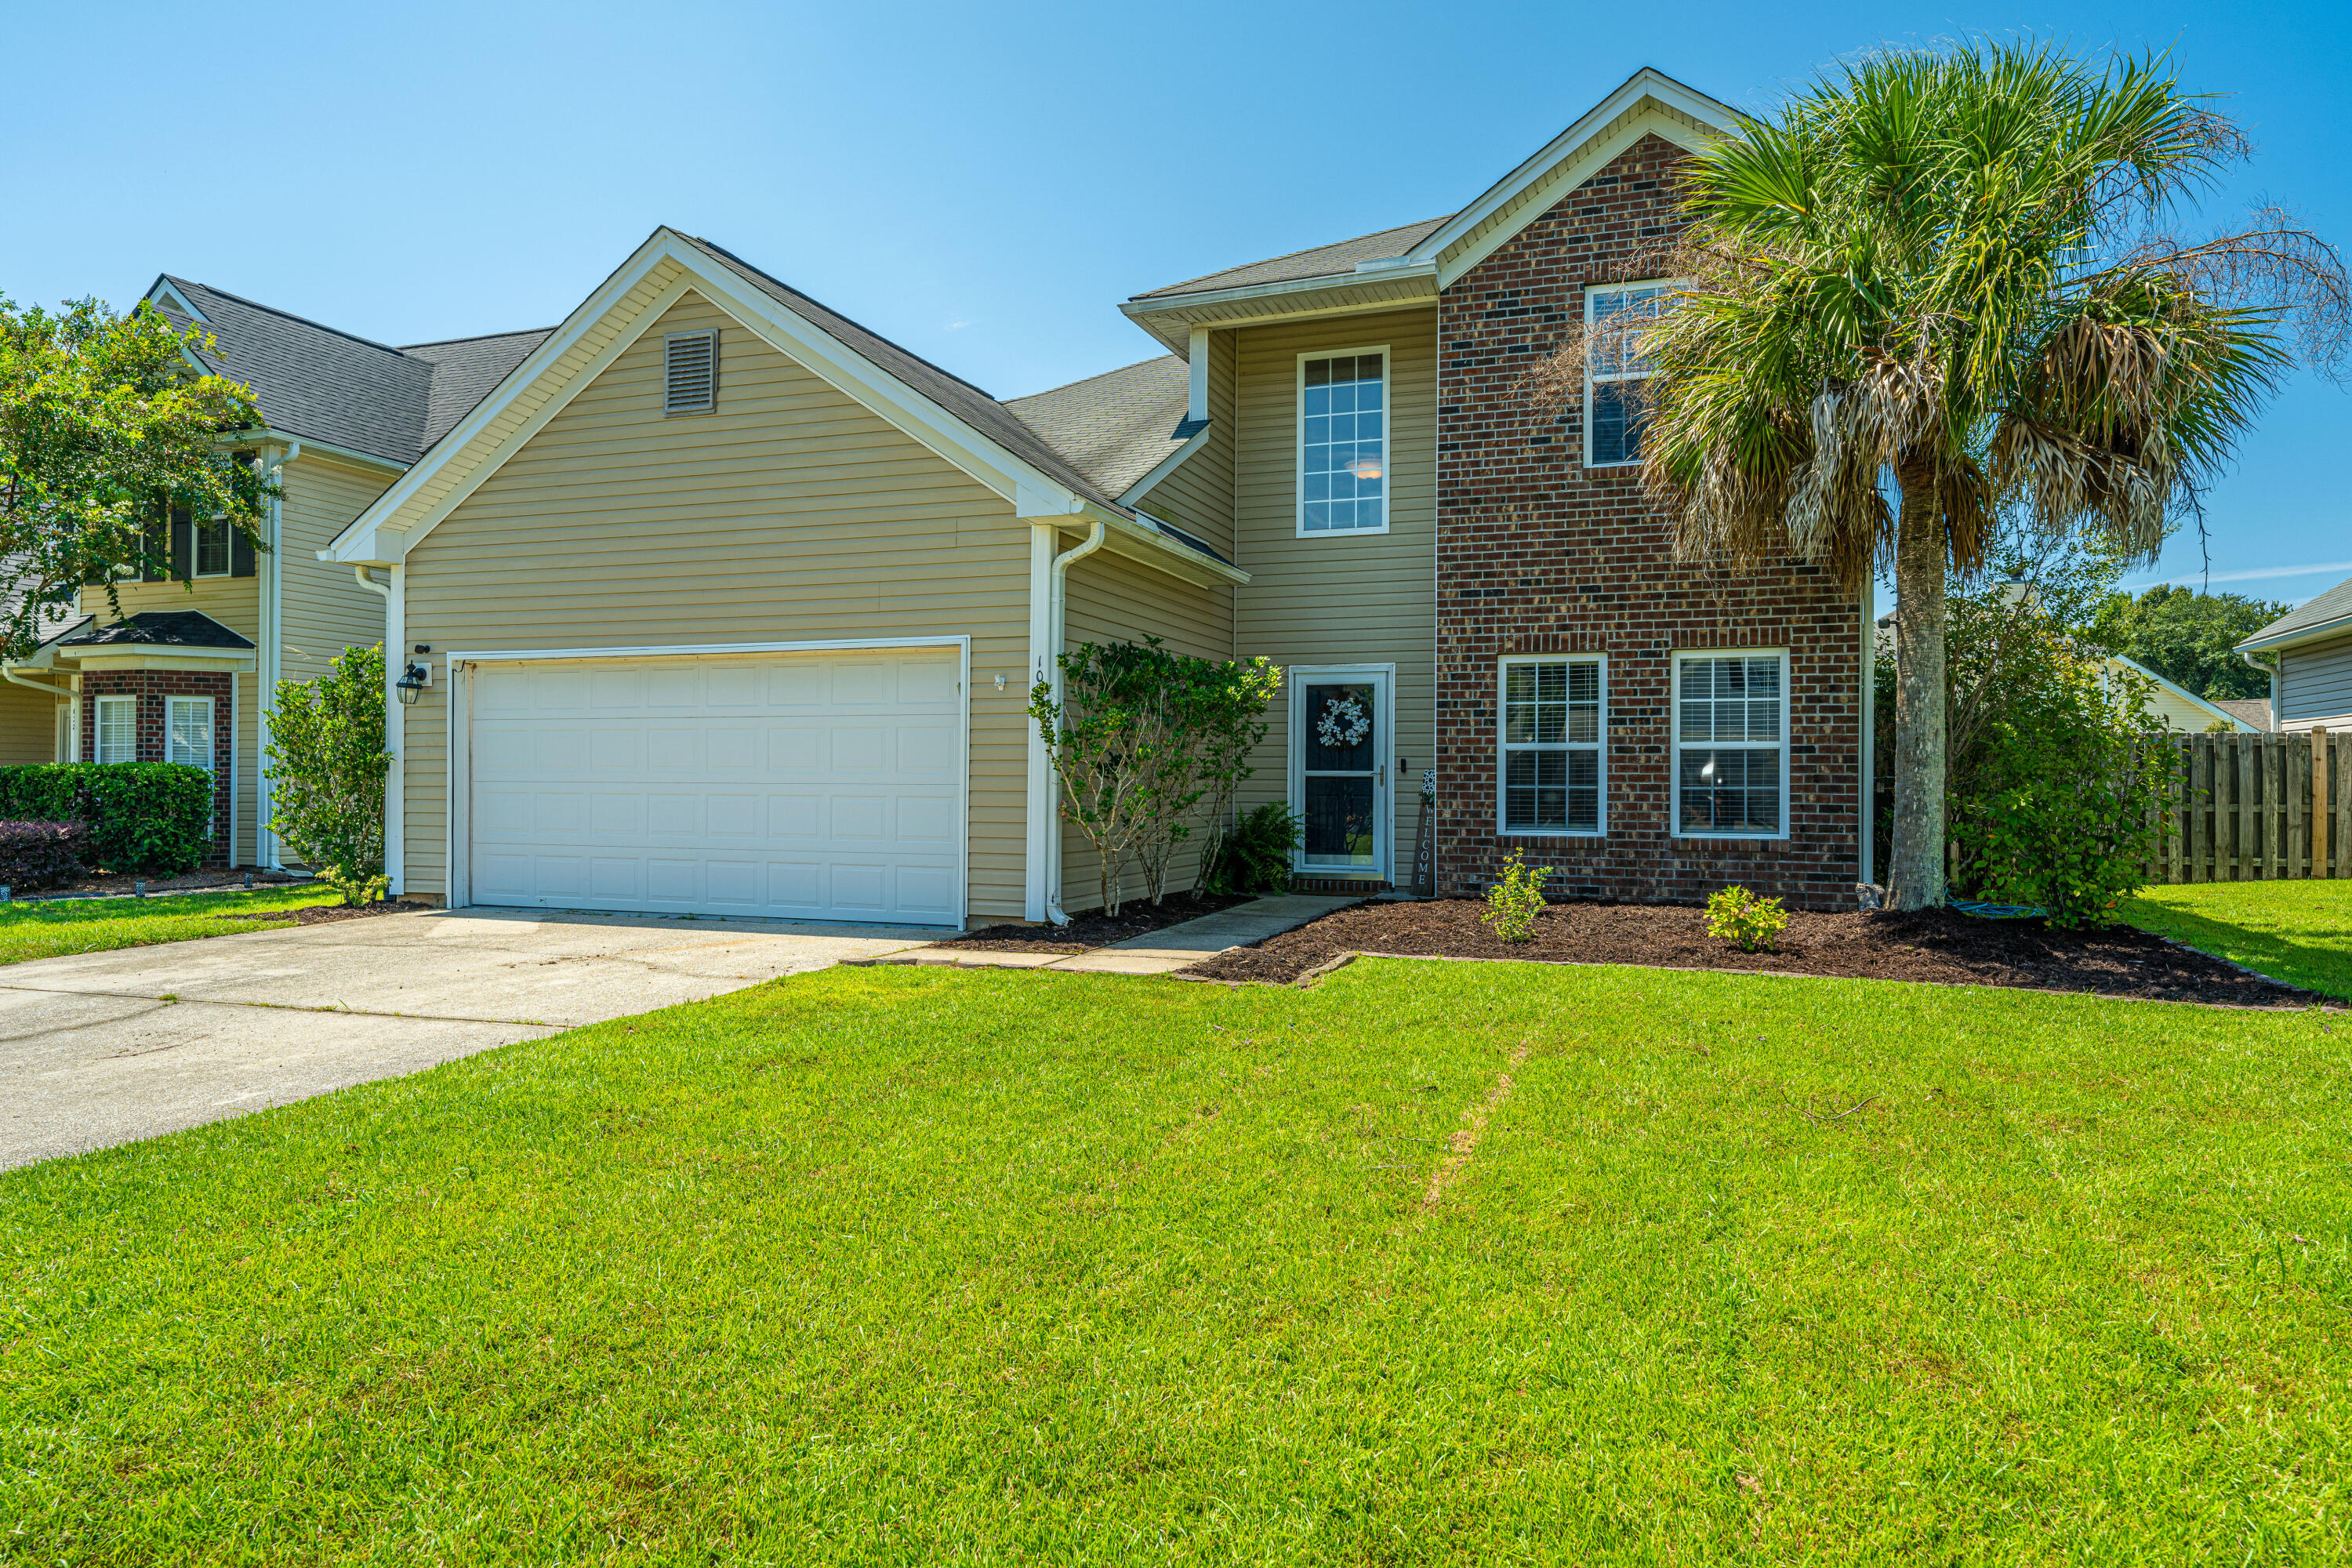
1949	273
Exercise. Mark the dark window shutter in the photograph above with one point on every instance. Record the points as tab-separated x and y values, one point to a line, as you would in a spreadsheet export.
240	553
155	540
183	546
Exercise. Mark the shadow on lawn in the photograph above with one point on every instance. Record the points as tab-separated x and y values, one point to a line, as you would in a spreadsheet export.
2311	960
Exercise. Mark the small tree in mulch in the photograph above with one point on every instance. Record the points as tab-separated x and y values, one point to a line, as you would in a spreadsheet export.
327	768
1140	739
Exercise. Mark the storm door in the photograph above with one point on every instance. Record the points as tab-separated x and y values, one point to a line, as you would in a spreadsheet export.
1339	777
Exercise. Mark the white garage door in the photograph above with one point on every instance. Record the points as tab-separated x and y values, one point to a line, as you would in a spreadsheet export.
802	786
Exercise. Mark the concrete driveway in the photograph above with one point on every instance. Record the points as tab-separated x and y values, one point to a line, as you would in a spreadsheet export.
105	1047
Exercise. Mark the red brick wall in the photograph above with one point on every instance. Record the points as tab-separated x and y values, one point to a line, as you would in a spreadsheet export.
1536	554
151	687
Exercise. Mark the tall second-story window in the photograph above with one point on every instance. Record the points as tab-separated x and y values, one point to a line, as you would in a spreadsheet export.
1615	369
1343	466
212	549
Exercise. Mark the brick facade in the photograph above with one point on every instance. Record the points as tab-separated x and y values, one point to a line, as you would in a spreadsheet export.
1537	554
152	686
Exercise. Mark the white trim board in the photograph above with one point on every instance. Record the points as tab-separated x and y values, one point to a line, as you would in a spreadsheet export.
704	650
1503	830
1675	657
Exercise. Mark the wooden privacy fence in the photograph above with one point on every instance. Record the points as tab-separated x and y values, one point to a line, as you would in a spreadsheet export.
2257	807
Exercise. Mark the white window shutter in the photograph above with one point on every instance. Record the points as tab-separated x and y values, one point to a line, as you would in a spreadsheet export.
690	373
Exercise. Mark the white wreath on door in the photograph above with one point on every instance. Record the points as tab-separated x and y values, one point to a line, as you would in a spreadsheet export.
1344	723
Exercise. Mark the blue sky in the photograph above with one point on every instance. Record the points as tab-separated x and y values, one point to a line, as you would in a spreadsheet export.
981	183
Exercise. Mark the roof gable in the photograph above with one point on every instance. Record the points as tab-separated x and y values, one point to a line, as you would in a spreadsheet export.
956	420
2325	613
1118	427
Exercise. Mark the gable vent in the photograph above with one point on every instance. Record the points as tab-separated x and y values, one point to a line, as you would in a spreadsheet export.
690	373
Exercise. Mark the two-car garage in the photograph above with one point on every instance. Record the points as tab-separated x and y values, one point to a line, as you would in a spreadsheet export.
812	783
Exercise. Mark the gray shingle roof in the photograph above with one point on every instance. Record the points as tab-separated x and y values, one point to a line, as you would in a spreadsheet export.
1116	426
1322	261
2333	605
161	628
2254	710
311	380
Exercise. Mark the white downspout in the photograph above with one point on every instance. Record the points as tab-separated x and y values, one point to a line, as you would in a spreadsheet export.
267	591
395	722
2277	672
1048	612
1869	731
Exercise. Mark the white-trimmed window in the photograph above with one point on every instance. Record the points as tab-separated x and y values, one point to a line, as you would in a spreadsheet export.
1615	369
210	551
117	724
190	740
1552	714
1343	466
1730	744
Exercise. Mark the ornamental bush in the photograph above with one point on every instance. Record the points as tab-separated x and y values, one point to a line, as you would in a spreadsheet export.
150	819
37	854
1513	903
327	768
1737	915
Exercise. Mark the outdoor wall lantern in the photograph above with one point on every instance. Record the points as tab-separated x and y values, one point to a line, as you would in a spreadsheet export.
411	683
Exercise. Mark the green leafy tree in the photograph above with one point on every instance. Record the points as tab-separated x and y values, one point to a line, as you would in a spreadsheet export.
1948	276
327	768
2188	638
106	427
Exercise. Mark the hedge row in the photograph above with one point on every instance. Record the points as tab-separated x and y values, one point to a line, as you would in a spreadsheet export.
149	818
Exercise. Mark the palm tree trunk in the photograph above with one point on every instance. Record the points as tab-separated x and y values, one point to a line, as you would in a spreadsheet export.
1914	871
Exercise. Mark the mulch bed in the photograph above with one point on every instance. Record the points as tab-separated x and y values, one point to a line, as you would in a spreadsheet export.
101	884
1093	928
1928	945
324	914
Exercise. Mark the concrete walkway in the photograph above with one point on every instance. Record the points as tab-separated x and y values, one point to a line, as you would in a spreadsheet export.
1154	953
103	1047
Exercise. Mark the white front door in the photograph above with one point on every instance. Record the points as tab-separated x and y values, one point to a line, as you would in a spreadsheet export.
1340	720
804	787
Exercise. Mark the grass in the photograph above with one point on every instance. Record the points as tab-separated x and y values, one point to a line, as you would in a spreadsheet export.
48	930
892	1265
2298	931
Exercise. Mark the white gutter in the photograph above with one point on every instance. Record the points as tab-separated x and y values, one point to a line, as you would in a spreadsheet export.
9	672
2318	631
1048	614
395	725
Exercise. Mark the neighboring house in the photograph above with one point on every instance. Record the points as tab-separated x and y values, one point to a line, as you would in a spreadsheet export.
2311	684
2253	712
722	603
2180	710
183	672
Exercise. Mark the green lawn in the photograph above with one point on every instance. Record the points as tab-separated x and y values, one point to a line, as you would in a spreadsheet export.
91	925
892	1265
2298	931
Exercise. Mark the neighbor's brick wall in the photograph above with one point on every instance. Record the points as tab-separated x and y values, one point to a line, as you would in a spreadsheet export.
151	687
1536	555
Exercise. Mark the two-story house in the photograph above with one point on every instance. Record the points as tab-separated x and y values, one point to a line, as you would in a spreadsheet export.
2310	650
711	600
184	670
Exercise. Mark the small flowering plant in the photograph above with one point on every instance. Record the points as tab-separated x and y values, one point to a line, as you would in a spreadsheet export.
1513	903
1738	916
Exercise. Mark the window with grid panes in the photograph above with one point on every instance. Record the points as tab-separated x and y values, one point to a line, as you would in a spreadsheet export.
1552	726
1343	444
1730	744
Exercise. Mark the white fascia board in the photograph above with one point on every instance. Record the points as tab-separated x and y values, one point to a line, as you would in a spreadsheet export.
2318	631
1034	494
2185	695
1140	309
1165	467
1571	158
1138	539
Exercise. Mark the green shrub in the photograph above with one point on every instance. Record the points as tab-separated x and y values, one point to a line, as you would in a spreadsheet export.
1255	857
146	818
37	854
1737	915
1513	903
327	768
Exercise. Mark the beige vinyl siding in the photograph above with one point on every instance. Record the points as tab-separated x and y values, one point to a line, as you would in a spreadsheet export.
2315	685
1340	598
791	513
29	724
1199	496
2174	711
1114	599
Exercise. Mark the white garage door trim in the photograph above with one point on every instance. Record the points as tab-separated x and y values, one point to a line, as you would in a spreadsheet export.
458	793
